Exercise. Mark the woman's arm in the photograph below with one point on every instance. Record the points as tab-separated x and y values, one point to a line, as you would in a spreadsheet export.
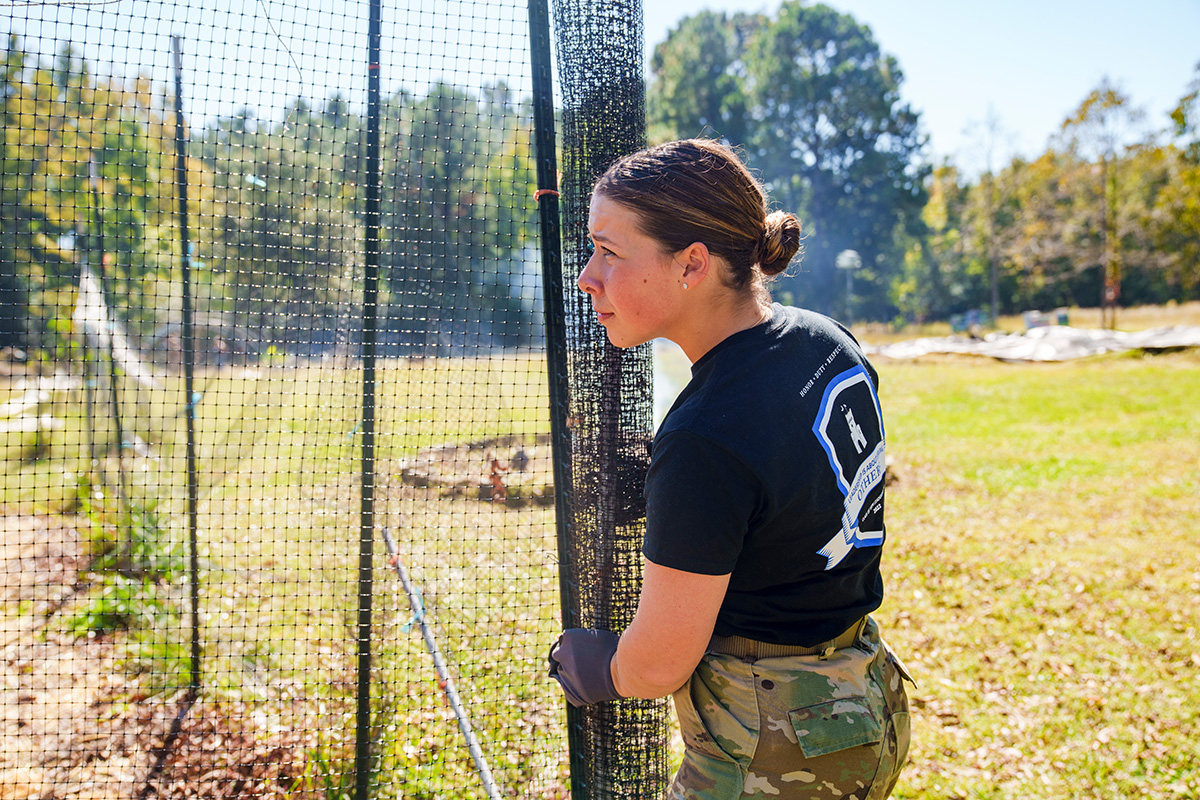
669	633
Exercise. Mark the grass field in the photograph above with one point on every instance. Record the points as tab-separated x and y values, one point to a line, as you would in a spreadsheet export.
1042	573
277	448
1042	568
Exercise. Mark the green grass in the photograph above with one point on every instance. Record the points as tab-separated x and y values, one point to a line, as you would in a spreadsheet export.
1042	569
285	419
277	449
281	549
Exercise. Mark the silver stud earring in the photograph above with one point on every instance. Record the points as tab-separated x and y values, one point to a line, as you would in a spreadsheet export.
685	286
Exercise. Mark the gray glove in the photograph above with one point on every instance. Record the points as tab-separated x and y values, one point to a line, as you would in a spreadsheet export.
580	661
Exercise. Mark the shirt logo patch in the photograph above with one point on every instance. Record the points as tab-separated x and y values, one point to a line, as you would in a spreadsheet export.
849	427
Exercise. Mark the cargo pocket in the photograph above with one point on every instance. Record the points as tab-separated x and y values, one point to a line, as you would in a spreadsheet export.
835	725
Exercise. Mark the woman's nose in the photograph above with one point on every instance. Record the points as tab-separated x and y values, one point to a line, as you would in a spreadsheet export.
586	282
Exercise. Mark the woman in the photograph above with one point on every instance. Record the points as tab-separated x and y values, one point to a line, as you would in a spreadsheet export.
764	521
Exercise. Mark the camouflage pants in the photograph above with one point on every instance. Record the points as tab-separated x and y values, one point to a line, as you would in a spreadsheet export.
794	727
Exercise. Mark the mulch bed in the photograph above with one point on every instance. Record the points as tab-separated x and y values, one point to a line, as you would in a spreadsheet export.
73	724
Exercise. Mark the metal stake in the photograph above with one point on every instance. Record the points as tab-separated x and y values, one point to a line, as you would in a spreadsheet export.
444	679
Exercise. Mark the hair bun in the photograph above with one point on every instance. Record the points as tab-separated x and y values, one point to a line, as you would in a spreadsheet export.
780	242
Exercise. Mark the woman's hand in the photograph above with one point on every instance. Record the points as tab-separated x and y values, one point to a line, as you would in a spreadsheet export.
669	633
579	661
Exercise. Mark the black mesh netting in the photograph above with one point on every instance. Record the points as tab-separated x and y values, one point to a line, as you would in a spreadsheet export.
272	287
600	65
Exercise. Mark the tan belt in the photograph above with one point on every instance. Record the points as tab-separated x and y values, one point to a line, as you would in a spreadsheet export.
752	650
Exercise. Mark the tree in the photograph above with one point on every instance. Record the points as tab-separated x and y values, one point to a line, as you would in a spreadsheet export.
697	79
990	131
1044	242
455	260
14	321
816	108
833	138
283	236
1176	212
288	223
932	283
1185	119
1098	130
79	176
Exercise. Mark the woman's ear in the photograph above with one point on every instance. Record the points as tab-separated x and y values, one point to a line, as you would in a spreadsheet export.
696	262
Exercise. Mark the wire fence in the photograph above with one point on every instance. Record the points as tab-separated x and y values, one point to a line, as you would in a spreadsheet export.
307	459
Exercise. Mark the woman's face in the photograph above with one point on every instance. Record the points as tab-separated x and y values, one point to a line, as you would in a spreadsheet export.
633	284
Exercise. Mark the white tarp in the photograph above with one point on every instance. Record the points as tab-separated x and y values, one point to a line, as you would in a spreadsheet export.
103	333
1049	343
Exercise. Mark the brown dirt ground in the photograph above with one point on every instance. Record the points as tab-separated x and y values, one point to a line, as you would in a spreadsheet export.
73	724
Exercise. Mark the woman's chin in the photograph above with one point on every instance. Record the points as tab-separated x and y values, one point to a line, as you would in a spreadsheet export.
626	342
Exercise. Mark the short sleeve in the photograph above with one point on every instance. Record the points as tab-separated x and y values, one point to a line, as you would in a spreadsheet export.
700	500
858	347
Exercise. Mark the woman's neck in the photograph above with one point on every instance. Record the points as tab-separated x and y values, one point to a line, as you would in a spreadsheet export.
709	328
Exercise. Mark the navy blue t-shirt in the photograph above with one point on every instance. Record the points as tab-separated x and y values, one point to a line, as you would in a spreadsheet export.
770	466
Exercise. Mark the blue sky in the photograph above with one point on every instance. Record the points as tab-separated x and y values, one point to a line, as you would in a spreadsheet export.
1026	63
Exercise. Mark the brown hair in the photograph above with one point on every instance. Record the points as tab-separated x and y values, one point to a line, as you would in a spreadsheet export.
698	190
